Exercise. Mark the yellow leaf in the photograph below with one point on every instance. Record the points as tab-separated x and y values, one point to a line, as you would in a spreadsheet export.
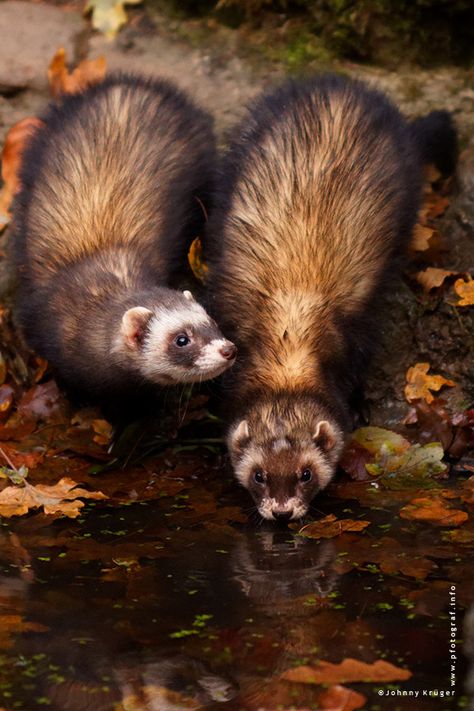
108	16
62	498
419	383
199	268
465	290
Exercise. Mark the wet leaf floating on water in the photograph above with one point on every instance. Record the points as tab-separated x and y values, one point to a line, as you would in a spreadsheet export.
419	383
13	148
432	277
61	498
330	526
433	510
340	698
465	290
195	259
108	16
389	456
349	670
61	81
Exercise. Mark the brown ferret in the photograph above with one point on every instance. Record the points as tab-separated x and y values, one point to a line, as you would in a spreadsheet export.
112	189
316	202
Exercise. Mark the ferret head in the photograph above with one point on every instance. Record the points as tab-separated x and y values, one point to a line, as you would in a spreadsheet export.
284	453
175	342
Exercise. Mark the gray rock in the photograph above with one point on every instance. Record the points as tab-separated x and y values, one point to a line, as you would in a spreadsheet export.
30	35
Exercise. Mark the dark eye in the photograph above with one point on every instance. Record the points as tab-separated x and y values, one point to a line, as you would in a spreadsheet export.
306	475
258	476
182	340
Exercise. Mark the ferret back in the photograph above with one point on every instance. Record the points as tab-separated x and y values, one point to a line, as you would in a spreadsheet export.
124	164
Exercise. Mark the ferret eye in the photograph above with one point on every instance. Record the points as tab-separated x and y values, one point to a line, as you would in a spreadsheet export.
306	475
258	477
182	340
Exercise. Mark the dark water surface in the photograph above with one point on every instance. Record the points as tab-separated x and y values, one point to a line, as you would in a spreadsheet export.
179	603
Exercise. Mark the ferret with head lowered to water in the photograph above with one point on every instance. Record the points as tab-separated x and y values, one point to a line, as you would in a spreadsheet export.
318	196
111	193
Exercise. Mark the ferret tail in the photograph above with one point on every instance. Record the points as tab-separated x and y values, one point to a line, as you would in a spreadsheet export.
437	140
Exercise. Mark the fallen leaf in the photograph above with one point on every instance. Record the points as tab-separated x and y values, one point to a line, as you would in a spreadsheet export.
103	432
421	238
340	698
465	290
432	277
330	526
433	510
62	498
198	266
419	383
13	148
349	670
87	73
13	625
41	401
108	16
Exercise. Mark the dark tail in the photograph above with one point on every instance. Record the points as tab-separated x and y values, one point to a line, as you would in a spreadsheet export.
437	140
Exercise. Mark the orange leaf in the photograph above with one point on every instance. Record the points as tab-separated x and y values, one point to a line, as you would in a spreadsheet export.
199	268
419	383
13	149
340	698
61	81
433	510
432	277
347	670
465	290
421	238
61	498
103	432
330	526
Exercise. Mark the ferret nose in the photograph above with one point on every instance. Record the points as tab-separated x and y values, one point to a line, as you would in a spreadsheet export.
282	516
229	351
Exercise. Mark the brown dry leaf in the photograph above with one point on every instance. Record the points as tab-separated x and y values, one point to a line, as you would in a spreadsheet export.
433	510
330	526
421	237
41	402
13	148
465	291
419	383
349	670
198	266
432	277
88	72
13	625
103	432
340	698
60	498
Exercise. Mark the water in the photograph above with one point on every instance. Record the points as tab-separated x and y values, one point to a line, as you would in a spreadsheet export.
186	603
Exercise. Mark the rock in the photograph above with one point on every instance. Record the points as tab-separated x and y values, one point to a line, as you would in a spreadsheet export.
30	35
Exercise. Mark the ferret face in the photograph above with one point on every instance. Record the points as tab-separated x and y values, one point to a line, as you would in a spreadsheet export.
176	345
284	459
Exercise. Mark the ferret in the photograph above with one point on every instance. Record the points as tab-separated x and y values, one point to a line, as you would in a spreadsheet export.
318	195
112	192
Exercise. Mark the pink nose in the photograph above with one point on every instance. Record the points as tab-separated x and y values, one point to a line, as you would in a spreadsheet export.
229	351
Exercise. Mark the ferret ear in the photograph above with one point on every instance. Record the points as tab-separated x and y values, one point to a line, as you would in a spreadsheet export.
325	435
240	435
134	324
187	295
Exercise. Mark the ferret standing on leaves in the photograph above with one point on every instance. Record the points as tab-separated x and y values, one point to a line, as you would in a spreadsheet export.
111	187
318	196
